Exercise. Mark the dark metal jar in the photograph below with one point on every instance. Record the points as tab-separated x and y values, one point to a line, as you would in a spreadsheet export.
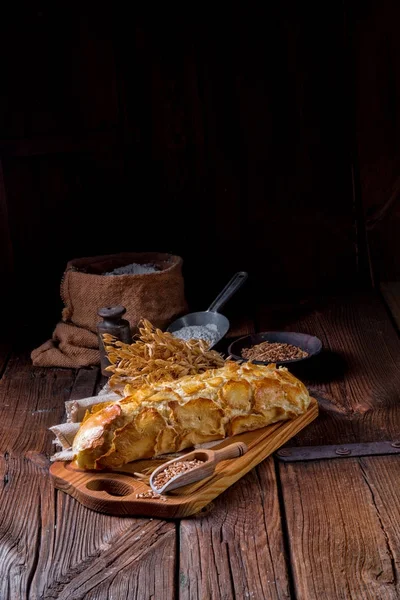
114	325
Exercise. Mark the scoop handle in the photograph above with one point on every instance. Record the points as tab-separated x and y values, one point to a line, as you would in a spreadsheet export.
231	451
231	287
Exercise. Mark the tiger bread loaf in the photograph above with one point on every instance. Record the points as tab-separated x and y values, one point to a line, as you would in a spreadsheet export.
168	417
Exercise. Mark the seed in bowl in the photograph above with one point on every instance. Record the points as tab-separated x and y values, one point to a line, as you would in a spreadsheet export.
273	352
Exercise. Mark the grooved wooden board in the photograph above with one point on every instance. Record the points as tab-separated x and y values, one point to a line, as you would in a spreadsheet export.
115	493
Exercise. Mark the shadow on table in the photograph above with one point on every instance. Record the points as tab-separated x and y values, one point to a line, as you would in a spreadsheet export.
323	368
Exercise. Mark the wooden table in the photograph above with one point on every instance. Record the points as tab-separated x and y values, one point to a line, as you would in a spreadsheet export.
310	530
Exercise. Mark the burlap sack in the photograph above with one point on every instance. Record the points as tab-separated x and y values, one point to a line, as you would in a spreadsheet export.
158	297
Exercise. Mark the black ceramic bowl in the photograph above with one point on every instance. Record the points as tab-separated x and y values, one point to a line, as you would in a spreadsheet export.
309	343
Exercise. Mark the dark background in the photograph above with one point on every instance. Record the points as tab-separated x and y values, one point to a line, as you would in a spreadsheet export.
264	142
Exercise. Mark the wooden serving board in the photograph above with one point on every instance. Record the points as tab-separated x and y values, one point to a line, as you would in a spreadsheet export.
115	493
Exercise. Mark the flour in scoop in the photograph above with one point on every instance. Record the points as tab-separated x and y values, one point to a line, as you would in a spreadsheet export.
208	333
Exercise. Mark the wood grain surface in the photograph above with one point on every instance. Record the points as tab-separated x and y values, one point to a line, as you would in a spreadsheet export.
236	550
342	519
307	531
51	546
357	375
341	533
260	128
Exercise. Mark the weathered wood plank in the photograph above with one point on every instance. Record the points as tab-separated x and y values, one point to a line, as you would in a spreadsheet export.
342	543
342	519
358	372
382	476
236	550
31	400
352	329
94	556
50	545
148	574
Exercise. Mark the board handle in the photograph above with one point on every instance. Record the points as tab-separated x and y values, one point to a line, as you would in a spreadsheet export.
231	451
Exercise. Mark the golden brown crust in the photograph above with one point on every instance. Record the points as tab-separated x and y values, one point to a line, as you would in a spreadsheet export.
236	394
169	417
247	423
198	421
94	435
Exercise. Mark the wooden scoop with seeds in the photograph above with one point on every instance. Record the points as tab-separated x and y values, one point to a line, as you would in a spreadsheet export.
192	467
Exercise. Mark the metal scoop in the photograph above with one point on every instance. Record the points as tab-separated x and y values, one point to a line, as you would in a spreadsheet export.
211	316
209	460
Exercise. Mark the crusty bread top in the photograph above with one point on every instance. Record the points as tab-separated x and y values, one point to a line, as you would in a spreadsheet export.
170	416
